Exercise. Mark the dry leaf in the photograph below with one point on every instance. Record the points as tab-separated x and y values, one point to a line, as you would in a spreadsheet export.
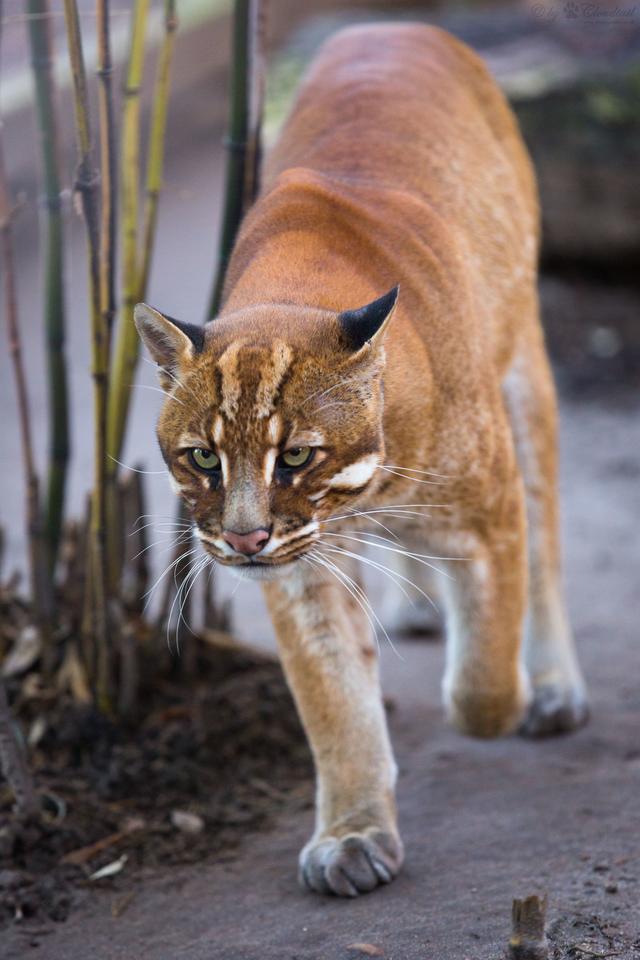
368	949
111	869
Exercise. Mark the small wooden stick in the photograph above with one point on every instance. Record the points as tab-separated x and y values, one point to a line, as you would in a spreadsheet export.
528	938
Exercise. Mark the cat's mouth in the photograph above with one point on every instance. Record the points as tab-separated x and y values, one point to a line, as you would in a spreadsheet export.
261	570
263	566
258	568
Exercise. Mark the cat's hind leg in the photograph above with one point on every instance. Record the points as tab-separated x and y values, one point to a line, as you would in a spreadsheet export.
559	695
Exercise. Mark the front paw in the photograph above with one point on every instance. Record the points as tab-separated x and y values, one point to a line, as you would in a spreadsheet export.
555	709
353	864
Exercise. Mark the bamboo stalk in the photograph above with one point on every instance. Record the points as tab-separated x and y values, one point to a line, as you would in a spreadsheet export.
87	190
243	138
155	162
41	42
40	584
126	349
108	170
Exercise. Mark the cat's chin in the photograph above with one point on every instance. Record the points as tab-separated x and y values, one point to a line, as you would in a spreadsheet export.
256	571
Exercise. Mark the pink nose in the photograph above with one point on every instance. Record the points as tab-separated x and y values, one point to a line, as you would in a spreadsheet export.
247	543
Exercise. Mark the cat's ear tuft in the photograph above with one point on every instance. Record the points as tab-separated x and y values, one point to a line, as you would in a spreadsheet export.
168	341
369	322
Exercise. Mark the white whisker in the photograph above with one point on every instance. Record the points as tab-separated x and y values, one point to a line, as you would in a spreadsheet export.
396	473
394	575
428	473
135	469
169	396
419	557
360	596
167	570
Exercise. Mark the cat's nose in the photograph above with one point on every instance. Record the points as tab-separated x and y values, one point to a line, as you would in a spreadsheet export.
247	543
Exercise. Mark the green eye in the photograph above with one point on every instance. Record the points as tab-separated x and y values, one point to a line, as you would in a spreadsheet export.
296	457
204	459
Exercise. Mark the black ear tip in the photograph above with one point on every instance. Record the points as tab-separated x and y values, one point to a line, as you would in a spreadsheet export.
359	326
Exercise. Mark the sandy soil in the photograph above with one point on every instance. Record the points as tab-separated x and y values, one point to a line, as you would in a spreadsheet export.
482	822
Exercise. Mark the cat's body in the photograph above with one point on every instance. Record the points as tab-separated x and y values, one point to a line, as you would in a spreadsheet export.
400	164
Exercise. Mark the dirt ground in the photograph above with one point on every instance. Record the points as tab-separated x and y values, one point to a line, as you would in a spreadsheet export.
482	822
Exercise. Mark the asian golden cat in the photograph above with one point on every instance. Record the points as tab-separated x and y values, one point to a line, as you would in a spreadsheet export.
298	419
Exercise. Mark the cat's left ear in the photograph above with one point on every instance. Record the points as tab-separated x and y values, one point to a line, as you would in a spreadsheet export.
169	341
367	325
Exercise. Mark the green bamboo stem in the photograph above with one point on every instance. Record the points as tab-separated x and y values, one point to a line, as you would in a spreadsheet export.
155	162
126	348
40	584
243	138
41	42
108	169
87	189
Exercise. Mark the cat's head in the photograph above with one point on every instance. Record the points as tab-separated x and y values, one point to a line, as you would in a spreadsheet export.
272	423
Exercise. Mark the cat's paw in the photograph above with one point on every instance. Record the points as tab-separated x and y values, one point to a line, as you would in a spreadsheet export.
350	865
555	709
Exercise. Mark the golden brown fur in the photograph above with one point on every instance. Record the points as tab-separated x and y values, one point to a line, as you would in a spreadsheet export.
400	164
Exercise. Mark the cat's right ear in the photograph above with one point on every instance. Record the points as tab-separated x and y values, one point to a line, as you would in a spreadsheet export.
170	342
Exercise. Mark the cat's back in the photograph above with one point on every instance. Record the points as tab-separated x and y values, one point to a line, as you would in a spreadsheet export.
410	107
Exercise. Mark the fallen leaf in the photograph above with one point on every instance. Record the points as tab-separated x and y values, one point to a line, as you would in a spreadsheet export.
369	949
111	868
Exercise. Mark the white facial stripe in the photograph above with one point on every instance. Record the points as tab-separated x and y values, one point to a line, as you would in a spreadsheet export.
269	464
230	379
355	474
281	357
224	463
314	497
218	430
275	429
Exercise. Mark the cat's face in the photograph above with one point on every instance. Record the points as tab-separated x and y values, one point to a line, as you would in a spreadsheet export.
272	424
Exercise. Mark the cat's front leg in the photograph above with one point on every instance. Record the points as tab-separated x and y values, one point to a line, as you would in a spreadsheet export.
331	666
